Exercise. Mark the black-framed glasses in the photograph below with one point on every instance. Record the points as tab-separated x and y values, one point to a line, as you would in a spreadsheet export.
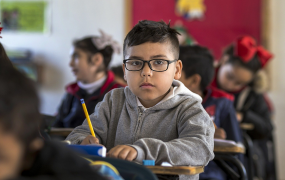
158	65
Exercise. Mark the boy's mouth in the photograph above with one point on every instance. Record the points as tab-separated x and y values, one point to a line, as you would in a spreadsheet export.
74	71
146	85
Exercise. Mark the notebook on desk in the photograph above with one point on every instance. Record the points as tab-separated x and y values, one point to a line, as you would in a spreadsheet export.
226	143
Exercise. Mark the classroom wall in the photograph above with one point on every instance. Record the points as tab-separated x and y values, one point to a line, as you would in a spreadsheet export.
70	19
74	19
277	67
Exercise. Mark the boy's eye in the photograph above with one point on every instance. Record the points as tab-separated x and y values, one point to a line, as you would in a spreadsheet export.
159	62
230	77
75	55
135	63
237	84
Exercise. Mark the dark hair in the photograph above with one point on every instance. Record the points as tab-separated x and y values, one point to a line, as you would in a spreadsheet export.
151	31
4	60
86	44
19	104
197	60
253	65
118	71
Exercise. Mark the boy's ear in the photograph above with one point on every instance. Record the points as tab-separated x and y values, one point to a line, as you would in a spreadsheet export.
193	82
36	144
196	80
186	81
178	70
124	69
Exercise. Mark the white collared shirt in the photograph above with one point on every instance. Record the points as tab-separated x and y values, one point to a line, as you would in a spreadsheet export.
168	96
92	87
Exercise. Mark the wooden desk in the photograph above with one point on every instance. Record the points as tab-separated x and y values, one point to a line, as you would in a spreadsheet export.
230	149
60	131
246	126
227	146
176	170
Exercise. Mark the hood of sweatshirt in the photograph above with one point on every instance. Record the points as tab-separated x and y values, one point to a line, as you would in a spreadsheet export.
181	93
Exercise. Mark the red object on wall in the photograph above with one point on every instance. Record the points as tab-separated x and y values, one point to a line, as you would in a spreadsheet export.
224	21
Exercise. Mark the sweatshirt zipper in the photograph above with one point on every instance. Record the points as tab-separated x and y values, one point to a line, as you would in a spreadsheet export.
138	124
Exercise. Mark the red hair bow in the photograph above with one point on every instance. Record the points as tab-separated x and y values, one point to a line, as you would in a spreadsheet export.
246	47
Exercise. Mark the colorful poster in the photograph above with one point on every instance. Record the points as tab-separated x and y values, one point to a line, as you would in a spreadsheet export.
211	23
24	15
191	9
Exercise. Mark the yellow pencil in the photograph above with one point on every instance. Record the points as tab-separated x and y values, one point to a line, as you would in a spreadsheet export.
87	117
215	125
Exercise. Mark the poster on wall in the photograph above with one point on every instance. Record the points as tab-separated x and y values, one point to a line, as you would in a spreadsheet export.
28	16
211	23
191	9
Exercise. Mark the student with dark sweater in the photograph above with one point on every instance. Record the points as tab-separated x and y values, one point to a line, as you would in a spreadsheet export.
23	154
240	66
197	74
89	63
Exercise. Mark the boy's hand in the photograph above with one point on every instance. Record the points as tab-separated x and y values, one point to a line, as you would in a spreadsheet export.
239	116
123	152
220	133
90	140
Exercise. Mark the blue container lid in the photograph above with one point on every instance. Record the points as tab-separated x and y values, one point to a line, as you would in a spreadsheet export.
148	162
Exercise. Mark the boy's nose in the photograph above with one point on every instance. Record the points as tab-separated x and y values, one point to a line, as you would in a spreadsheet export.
146	71
71	62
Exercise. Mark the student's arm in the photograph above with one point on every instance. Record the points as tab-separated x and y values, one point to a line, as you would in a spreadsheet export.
229	122
60	113
193	147
259	115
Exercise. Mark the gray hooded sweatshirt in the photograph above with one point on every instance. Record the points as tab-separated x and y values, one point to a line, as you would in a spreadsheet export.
178	130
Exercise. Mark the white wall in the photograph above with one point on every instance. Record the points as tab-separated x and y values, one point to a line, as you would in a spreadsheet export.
277	44
70	19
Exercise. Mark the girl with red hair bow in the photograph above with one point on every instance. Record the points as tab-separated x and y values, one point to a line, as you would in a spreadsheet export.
240	65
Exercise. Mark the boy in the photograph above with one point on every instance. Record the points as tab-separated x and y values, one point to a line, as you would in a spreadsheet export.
197	74
23	155
155	117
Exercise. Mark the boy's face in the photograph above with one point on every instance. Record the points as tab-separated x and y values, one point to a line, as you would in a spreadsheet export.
150	86
11	155
191	83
